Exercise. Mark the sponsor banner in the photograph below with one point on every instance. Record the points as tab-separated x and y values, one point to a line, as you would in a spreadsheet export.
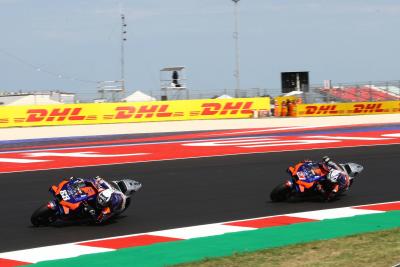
95	113
355	108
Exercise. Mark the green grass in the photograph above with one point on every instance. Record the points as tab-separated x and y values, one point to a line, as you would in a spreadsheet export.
372	249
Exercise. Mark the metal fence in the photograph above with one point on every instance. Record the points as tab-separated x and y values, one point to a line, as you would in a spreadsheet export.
340	92
209	94
353	92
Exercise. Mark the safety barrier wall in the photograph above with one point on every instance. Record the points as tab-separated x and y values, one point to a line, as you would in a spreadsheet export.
96	113
354	108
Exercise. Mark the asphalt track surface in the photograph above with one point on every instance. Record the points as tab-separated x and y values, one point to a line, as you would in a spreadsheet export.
189	192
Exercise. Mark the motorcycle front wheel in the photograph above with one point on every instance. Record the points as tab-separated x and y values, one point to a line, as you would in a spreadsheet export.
280	193
43	216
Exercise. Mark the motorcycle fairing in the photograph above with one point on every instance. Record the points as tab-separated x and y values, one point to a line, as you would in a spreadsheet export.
70	196
306	174
308	171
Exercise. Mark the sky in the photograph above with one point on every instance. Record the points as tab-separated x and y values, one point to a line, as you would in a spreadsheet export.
69	45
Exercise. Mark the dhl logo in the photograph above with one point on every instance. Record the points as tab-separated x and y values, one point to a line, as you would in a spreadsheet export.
208	109
146	111
368	108
333	109
227	108
323	109
73	114
60	114
57	114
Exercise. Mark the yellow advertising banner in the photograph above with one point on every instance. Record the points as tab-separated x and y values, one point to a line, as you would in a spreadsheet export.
95	113
341	109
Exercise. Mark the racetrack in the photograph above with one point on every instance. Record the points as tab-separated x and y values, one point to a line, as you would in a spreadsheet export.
189	192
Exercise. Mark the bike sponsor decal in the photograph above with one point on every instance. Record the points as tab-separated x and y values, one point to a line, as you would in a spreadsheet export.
64	195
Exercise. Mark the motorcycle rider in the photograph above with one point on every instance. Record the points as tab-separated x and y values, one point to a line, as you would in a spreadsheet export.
338	180
109	201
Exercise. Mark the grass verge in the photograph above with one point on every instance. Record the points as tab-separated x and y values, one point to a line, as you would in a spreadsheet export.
372	249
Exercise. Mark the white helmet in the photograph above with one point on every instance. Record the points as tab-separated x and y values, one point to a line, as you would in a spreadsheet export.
333	176
104	197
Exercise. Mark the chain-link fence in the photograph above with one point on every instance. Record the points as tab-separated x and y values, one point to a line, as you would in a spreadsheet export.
353	92
340	92
209	94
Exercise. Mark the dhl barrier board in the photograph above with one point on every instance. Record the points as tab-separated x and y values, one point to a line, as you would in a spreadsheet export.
355	108
95	113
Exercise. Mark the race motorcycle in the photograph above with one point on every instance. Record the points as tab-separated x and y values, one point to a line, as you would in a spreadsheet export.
71	200
306	177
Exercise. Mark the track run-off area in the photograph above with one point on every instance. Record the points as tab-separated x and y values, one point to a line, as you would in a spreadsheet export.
189	179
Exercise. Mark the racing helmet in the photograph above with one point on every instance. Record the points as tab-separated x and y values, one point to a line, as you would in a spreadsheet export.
104	197
335	176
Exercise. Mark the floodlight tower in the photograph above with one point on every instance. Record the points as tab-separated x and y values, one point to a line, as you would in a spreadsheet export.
236	37
123	40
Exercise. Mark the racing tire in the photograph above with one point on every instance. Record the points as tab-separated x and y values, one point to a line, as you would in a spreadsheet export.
280	193
42	216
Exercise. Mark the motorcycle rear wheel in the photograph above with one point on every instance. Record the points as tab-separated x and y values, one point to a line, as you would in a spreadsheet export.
43	216
280	193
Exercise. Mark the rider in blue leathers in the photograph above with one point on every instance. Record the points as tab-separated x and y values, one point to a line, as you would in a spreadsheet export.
109	201
332	179
337	177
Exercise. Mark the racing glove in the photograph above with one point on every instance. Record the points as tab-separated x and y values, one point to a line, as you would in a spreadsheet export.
102	218
332	194
92	212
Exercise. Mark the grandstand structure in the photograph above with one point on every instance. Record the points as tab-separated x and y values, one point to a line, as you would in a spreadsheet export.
349	92
362	93
36	98
355	92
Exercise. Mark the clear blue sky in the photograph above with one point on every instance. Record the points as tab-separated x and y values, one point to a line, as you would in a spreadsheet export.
341	40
